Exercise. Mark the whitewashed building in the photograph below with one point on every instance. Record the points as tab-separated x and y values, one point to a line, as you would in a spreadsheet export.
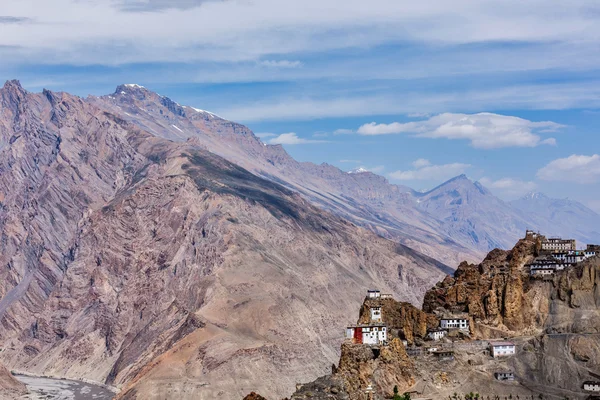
454	323
502	349
373	294
558	244
436	334
591	386
376	314
367	334
504	376
542	271
574	257
387	296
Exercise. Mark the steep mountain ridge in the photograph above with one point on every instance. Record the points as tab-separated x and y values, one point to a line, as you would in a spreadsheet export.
164	269
458	220
364	198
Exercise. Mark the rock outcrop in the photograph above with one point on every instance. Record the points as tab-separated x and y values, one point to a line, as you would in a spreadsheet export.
502	299
403	320
362	367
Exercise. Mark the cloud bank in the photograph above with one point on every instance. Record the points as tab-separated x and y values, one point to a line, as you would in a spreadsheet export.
575	168
483	130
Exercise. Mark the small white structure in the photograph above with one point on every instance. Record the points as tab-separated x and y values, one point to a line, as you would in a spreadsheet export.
589	253
591	386
436	334
542	271
367	334
504	376
501	349
376	314
373	294
454	323
387	296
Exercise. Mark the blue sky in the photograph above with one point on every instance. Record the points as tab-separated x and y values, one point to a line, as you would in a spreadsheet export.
506	92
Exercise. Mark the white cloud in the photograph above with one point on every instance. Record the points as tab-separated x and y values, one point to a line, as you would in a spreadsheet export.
424	170
264	135
320	134
421	162
216	30
292	138
509	187
546	96
483	130
343	132
575	168
281	64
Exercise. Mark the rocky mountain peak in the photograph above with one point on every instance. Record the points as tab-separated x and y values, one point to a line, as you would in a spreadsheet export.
12	93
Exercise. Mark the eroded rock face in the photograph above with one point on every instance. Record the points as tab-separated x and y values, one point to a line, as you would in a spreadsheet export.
404	320
501	298
361	367
162	268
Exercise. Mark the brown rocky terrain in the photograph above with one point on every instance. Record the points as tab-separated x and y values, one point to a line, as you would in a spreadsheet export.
161	268
553	322
364	198
404	320
361	366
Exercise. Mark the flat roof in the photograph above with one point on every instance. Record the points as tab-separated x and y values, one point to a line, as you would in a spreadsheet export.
494	344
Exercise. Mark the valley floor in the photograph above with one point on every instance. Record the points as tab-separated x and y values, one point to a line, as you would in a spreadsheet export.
61	389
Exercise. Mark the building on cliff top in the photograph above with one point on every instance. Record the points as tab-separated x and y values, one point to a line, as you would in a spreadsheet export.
454	323
373	294
558	244
375	334
501	349
436	334
375	314
529	234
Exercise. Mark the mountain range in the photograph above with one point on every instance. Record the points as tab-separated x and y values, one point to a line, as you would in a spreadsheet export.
167	251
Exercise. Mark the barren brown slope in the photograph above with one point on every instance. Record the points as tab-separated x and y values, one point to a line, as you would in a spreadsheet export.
364	198
166	270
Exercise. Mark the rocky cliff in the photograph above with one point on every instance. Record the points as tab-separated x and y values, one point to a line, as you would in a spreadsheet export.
360	367
554	322
163	269
404	321
501	298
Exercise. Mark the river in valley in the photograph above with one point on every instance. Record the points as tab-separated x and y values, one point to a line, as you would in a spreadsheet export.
62	389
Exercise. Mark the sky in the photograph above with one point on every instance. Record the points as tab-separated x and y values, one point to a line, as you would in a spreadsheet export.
504	91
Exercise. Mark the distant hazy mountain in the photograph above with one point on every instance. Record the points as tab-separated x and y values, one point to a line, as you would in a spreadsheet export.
472	215
561	217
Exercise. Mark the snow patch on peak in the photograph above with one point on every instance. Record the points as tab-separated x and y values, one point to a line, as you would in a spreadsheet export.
134	85
198	110
358	170
534	196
